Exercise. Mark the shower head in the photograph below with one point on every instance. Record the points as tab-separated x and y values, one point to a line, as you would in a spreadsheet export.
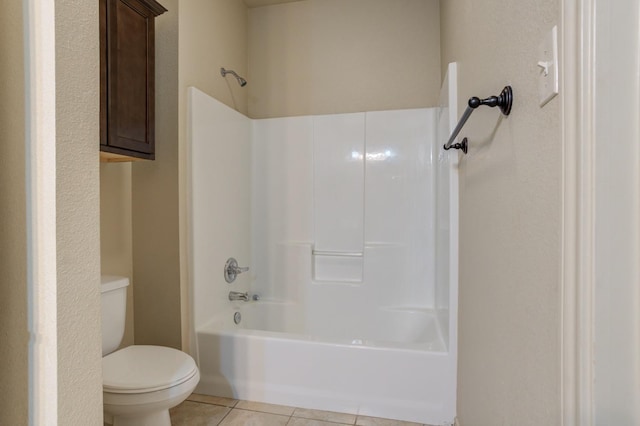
241	81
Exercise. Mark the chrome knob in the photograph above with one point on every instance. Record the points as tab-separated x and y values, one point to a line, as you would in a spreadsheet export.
231	270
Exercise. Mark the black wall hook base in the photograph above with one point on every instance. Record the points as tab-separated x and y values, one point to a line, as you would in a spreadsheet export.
503	101
464	146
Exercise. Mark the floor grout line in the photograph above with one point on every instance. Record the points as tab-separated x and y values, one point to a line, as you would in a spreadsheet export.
326	421
213	403
225	416
264	412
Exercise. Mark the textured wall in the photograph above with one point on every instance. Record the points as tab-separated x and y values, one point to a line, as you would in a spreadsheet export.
116	244
156	265
510	217
334	56
77	210
13	274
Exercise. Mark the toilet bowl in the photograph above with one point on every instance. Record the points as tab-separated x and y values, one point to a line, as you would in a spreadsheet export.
140	383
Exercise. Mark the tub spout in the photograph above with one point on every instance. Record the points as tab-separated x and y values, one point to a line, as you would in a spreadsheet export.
236	295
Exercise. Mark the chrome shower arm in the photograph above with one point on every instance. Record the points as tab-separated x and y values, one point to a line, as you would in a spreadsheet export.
241	81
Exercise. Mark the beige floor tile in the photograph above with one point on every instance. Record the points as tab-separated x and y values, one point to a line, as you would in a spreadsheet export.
239	417
265	408
216	400
191	413
326	416
375	421
299	421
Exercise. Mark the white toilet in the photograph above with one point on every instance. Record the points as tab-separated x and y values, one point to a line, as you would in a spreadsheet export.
139	383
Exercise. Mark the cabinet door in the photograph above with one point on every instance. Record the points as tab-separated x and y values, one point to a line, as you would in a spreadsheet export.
130	79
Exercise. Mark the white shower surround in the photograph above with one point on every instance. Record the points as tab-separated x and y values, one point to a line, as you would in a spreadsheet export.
355	313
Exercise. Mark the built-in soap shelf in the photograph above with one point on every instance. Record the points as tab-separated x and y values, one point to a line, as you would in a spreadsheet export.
337	266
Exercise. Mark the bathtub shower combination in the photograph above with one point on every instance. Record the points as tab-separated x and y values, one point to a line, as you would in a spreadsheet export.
348	223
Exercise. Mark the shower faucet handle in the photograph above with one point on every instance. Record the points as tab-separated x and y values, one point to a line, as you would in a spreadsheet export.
236	295
231	270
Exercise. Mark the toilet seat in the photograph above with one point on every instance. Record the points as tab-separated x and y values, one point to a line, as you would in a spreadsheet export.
140	369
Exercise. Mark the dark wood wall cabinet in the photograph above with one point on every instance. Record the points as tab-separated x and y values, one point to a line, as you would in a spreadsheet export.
127	79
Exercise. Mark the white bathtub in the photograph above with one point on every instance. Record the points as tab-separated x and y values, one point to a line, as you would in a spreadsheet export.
396	368
357	336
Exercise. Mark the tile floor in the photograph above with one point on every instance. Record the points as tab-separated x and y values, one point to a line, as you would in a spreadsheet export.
204	410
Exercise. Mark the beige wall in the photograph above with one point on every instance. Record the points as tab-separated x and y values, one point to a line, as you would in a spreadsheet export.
77	210
139	211
13	273
510	217
336	56
156	266
116	245
213	35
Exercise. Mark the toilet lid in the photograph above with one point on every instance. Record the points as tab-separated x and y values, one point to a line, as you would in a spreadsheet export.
140	368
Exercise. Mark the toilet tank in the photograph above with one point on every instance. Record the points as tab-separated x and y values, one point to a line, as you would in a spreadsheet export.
114	308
